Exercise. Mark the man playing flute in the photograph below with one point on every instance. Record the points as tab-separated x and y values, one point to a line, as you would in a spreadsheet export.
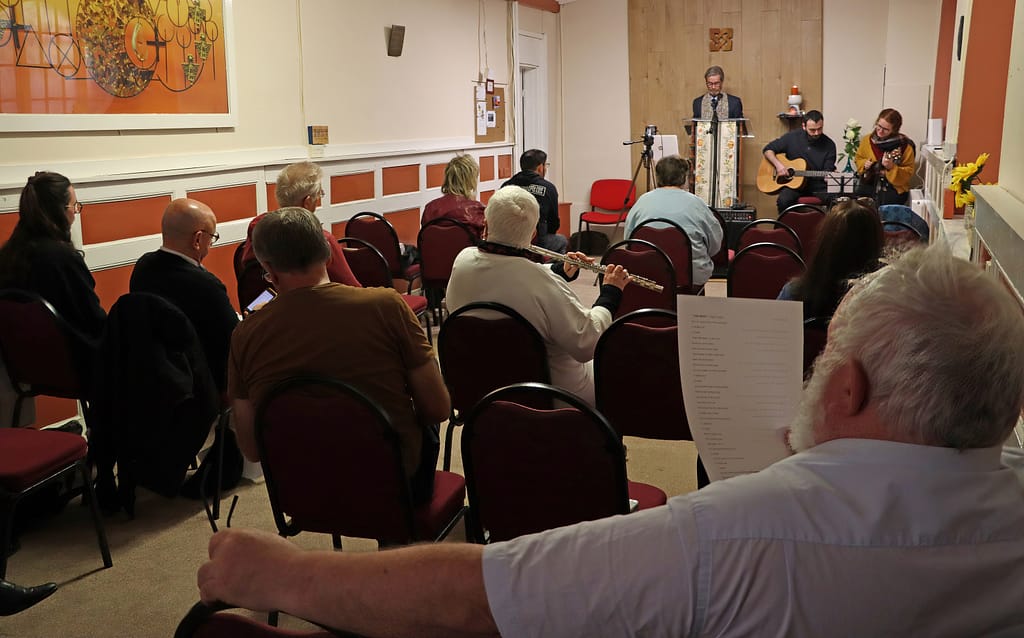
502	270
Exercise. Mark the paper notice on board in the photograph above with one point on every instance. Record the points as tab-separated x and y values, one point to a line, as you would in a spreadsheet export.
741	367
481	125
492	120
480	91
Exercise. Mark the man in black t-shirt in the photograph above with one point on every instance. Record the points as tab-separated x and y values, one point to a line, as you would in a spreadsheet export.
809	143
534	167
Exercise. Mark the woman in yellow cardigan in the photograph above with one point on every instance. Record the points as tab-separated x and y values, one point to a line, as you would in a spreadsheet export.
885	161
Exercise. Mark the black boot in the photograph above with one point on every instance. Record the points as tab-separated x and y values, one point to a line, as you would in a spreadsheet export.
15	598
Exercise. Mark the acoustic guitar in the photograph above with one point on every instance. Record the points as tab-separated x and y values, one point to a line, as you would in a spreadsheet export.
870	175
769	184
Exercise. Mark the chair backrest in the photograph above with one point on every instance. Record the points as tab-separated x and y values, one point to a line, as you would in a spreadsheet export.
761	270
378	231
672	239
636	376
815	337
366	262
643	258
505	335
609	195
805	220
332	462
770	231
236	258
721	258
251	283
439	242
38	346
210	620
528	470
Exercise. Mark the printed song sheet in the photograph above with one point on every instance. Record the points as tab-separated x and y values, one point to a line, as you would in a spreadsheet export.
741	367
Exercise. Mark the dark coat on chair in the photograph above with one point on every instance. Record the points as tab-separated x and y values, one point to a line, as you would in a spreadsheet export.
197	293
155	399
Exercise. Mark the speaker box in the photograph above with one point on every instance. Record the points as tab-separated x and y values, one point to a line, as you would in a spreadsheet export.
395	40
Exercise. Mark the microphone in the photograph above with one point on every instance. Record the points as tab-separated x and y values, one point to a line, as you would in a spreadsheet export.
714	101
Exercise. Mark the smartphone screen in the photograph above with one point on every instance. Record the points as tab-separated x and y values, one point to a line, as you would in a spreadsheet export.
258	302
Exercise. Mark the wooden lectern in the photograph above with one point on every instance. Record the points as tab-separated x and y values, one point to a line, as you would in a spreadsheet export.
716	160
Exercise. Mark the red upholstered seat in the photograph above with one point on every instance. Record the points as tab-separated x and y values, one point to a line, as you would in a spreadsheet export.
643	258
378	232
647	496
449	497
615	195
28	456
212	621
32	458
761	270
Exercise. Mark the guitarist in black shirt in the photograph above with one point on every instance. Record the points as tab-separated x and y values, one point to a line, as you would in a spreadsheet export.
809	144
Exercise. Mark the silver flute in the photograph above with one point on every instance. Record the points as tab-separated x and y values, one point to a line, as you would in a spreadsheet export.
579	263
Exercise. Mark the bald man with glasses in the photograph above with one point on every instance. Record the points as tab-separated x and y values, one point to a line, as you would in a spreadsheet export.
175	272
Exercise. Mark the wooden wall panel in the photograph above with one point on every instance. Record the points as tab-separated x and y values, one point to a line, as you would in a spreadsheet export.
504	166
351	188
776	43
400	179
229	203
406	223
220	262
111	283
435	175
7	223
110	221
486	168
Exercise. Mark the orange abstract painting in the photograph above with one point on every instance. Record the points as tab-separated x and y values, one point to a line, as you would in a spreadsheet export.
87	57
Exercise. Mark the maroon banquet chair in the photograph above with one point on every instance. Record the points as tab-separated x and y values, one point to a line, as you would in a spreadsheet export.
672	239
333	465
371	269
378	231
769	231
32	459
43	354
761	270
724	255
506	336
805	220
215	621
529	469
440	241
643	258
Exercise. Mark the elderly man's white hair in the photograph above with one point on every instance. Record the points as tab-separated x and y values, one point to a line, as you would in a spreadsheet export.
297	181
512	215
942	345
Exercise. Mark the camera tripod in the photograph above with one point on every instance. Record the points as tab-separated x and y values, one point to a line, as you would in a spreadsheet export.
646	155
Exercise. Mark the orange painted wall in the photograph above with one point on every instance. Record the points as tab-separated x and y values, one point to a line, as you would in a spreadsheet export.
110	221
233	202
220	262
272	197
944	60
111	283
350	188
485	196
435	175
984	96
52	409
504	166
406	223
7	223
400	179
486	168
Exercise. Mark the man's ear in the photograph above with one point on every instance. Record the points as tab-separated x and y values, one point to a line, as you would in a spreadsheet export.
849	388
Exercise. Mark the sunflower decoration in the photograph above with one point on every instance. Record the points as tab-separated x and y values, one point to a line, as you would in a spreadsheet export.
962	178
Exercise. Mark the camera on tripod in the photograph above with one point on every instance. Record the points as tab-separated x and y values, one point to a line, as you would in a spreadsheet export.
649	132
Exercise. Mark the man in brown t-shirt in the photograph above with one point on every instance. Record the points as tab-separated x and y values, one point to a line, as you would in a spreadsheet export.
364	336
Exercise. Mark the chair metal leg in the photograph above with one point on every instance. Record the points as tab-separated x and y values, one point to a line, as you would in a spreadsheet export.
222	424
272	618
426	320
89	494
452	422
336	541
7	521
17	411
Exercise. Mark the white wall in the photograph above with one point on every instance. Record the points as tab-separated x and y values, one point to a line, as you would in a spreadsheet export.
351	85
878	54
595	94
1011	158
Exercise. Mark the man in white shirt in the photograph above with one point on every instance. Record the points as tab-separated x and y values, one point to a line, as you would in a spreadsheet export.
896	516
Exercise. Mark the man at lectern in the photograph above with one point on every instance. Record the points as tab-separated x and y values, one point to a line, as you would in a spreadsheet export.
715	100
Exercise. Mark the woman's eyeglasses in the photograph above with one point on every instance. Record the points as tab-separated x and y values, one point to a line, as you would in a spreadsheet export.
78	206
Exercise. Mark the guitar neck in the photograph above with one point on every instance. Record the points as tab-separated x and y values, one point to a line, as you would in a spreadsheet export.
818	173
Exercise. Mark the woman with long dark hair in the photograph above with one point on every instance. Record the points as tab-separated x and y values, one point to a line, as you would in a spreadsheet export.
849	245
39	257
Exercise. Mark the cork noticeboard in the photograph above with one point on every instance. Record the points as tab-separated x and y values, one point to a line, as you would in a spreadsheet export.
492	105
